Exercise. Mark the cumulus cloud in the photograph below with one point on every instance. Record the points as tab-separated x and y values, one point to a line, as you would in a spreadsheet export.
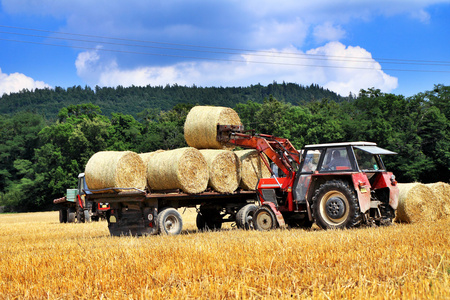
15	82
337	67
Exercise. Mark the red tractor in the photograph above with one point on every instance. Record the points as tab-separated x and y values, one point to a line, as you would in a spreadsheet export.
338	185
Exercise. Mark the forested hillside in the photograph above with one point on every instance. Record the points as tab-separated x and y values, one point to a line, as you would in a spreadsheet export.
41	157
132	100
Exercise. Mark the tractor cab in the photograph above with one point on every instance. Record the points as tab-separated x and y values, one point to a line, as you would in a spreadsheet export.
356	167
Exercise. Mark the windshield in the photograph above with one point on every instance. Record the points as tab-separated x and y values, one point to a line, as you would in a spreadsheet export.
311	161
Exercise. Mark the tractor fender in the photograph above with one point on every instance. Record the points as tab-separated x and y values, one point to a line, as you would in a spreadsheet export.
278	215
362	187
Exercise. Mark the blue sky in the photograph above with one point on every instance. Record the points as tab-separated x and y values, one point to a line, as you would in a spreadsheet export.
397	46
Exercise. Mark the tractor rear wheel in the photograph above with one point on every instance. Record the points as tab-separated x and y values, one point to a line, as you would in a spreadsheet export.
264	219
244	217
335	206
169	221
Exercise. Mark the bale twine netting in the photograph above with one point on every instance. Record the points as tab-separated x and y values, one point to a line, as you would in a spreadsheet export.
115	169
200	128
442	192
224	170
252	169
183	168
416	203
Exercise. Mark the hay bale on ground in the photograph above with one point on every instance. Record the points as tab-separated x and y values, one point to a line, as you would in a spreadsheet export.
183	168
416	203
108	169
224	170
200	128
252	169
442	192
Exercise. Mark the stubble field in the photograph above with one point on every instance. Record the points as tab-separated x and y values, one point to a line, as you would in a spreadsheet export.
43	259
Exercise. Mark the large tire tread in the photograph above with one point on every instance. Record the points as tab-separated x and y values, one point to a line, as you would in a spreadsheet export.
354	218
169	221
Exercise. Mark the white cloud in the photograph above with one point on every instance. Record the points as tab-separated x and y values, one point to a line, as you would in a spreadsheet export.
327	32
337	67
15	82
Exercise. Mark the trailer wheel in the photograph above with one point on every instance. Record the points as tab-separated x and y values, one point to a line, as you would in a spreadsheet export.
208	220
264	219
169	221
335	206
71	215
63	216
244	217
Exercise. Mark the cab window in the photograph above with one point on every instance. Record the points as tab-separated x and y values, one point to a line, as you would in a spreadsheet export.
366	161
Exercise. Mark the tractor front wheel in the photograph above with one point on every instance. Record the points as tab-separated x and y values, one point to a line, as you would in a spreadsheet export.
335	206
264	219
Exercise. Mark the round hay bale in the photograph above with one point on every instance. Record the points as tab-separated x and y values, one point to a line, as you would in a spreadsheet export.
146	158
115	169
224	170
183	168
416	203
442	192
252	169
200	128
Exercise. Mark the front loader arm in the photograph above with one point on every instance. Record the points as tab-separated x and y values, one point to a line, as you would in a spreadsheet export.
278	150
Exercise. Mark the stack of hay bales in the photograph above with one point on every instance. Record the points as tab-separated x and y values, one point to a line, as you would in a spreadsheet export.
200	131
188	169
252	169
417	203
115	169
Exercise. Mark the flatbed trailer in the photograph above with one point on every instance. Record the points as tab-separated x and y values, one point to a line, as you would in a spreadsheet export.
138	212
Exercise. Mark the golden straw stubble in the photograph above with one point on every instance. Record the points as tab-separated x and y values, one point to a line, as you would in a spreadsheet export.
416	203
183	168
200	128
224	170
115	169
252	168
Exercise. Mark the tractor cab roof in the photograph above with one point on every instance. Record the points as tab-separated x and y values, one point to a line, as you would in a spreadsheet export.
365	146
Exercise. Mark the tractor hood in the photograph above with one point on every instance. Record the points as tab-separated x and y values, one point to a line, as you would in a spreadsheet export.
375	150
